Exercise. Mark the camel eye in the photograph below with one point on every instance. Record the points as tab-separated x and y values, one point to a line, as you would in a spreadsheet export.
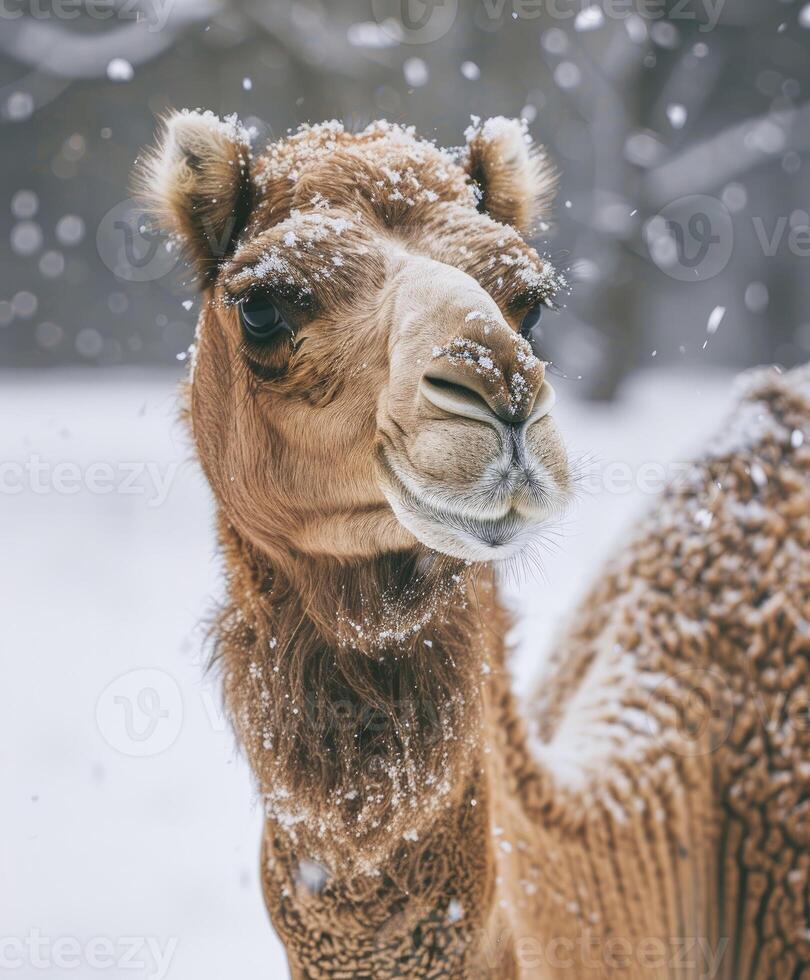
261	319
531	320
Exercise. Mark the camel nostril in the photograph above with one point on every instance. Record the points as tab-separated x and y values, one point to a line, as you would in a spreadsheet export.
453	390
500	380
464	396
452	387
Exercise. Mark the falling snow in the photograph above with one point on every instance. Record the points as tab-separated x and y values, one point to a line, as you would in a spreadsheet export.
589	18
676	113
715	319
120	70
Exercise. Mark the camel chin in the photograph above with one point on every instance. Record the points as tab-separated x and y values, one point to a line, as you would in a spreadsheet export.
464	536
490	503
482	528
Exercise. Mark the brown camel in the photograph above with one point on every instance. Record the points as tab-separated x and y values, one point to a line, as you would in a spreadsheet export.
376	431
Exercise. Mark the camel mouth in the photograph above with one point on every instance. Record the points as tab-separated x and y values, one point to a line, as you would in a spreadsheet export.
460	534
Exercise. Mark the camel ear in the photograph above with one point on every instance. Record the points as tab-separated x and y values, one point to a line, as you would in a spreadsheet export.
515	178
197	182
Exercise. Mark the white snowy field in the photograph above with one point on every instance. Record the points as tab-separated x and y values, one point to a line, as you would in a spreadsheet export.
129	826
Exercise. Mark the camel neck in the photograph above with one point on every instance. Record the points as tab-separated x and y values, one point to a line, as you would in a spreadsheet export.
357	691
373	703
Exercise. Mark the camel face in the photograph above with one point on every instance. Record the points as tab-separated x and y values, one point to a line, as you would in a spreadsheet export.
470	459
361	381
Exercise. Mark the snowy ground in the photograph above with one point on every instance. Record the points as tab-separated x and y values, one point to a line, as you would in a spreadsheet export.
129	826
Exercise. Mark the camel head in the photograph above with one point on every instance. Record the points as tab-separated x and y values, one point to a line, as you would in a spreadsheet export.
363	380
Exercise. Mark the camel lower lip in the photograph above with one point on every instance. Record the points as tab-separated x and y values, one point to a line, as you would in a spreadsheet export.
494	534
471	537
462	535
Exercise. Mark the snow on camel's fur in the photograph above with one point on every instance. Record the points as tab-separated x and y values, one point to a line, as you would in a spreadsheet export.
649	814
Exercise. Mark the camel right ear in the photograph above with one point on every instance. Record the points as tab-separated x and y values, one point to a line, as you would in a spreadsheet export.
515	179
197	182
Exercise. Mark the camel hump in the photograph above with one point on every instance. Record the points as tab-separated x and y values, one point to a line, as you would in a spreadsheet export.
771	418
772	384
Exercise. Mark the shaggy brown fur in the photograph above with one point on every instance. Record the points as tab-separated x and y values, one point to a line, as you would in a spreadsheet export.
655	811
199	185
516	181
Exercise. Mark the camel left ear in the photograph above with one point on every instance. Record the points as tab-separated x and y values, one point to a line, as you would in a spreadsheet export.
197	182
515	178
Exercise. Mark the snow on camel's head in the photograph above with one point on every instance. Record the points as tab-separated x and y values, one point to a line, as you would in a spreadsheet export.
362	381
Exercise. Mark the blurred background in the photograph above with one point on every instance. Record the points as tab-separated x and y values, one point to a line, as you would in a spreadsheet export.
129	831
681	129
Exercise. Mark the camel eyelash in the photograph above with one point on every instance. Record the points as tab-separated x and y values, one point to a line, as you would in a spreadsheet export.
298	300
271	367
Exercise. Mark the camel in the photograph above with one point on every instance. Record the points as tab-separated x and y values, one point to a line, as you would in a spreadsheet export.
378	434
